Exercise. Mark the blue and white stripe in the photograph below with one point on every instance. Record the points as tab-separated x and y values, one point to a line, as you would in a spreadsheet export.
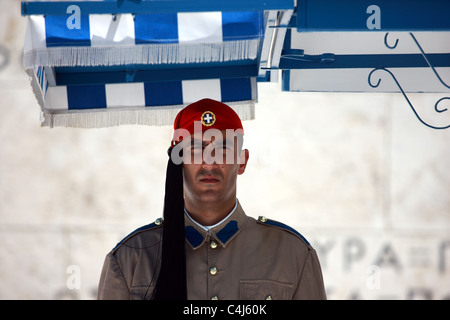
148	103
149	94
118	42
144	38
357	54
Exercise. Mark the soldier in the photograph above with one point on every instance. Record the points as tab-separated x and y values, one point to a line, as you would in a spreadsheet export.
207	247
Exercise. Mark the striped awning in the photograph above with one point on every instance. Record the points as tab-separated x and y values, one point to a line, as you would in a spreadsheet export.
355	61
140	68
176	38
101	63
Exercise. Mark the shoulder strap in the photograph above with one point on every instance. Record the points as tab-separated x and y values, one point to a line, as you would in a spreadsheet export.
153	225
277	224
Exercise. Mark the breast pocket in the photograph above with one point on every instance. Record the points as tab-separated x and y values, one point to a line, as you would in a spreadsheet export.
265	290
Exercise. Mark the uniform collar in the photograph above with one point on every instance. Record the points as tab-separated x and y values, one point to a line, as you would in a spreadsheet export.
207	228
223	233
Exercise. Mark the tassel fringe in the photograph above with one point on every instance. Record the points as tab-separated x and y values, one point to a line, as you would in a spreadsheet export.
155	116
170	53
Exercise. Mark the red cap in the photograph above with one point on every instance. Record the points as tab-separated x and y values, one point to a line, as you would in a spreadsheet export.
211	114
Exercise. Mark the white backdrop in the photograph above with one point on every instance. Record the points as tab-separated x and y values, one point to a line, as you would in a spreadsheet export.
356	174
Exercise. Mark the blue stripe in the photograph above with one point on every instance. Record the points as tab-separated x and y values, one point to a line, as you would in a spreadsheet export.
154	6
286	80
42	79
412	15
236	89
147	73
242	25
361	61
156	28
286	227
38	72
86	97
40	76
143	228
163	93
59	35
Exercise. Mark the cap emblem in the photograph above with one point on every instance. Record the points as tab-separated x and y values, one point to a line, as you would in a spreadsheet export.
208	118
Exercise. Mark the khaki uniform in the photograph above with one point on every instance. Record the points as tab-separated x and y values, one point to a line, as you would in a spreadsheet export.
242	258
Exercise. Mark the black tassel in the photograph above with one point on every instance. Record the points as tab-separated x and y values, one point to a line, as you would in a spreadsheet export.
171	283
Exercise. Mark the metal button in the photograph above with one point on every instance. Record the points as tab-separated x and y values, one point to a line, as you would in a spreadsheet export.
269	297
262	219
213	245
213	271
214	298
158	221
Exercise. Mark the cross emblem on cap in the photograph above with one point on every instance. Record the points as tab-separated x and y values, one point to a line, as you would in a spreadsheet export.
208	118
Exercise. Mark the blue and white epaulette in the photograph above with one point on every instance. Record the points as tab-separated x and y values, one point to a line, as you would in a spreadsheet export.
273	223
157	223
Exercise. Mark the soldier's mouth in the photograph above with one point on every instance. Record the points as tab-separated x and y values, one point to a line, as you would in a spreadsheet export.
209	180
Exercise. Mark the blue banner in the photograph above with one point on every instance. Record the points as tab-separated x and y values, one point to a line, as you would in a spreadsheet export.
371	15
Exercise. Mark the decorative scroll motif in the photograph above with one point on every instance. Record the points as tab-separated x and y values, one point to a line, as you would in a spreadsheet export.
437	108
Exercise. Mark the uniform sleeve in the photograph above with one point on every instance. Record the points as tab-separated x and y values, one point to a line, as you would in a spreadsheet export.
311	284
112	284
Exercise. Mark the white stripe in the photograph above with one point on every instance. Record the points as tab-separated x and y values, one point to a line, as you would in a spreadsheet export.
125	95
35	34
104	30
254	86
356	80
56	98
200	27
369	42
194	90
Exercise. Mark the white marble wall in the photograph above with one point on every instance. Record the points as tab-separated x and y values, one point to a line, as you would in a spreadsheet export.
356	174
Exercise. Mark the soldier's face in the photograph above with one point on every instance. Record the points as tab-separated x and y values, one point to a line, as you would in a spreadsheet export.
210	168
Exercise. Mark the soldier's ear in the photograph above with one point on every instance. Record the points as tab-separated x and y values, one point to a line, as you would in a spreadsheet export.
243	161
